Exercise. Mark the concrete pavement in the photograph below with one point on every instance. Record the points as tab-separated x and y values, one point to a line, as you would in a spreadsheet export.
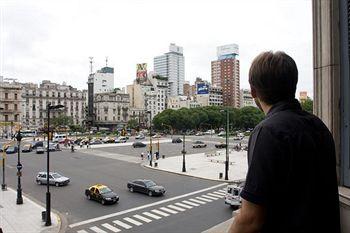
24	218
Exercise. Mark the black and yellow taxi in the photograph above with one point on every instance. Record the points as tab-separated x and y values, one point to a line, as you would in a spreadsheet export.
101	193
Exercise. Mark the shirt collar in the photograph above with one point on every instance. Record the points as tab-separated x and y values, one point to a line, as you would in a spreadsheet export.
284	105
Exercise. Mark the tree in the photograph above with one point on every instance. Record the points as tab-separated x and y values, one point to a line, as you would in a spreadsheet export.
307	105
249	117
62	120
132	124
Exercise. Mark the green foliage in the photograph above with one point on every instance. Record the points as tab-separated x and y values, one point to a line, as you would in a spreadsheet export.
61	120
307	105
132	124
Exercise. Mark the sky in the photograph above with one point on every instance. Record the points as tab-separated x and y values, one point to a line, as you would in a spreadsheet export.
53	40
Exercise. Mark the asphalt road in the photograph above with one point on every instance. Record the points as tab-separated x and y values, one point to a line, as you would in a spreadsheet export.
86	169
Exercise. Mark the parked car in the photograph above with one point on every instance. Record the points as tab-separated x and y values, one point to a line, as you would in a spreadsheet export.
222	134
176	140
54	179
199	144
101	193
27	148
140	136
108	140
233	195
11	150
138	144
157	136
220	145
120	140
199	134
146	186
209	132
96	142
40	150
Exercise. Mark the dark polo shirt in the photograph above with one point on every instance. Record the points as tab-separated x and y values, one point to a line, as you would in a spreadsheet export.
292	172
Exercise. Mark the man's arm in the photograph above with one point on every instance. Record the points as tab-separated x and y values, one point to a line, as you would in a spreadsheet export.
250	219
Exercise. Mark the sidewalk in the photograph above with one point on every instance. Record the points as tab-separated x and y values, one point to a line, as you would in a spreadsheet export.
206	166
23	218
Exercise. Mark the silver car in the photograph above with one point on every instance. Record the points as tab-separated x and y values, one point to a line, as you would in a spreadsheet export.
54	179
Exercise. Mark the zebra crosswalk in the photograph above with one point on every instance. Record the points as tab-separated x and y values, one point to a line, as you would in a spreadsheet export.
145	217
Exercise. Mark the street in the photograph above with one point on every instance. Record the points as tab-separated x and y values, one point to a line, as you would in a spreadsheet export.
183	208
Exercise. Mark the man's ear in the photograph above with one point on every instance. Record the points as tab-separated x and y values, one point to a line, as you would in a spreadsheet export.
253	91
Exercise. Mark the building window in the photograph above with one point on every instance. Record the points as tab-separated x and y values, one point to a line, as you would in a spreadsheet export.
6	106
16	108
15	96
6	96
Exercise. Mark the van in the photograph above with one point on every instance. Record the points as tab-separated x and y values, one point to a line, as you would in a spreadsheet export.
233	195
58	137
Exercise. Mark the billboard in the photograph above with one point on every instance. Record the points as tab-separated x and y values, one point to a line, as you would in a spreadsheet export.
227	50
141	72
202	88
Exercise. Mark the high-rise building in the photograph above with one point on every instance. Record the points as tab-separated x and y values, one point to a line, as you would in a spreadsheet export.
225	74
172	66
103	80
187	89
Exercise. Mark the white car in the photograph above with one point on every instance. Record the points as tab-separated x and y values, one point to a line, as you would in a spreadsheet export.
140	136
120	140
233	195
156	136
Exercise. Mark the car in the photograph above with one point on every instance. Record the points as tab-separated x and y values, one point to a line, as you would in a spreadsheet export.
54	179
220	145
120	140
40	150
199	134
157	136
222	134
146	186
176	140
101	193
36	144
233	195
52	147
11	150
96	142
199	144
140	136
108	140
27	148
138	144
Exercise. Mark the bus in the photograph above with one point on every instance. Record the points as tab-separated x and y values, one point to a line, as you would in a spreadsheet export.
29	133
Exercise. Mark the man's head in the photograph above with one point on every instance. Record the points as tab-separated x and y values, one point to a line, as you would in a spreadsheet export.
273	77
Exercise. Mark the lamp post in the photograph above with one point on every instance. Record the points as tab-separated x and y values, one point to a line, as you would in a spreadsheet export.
227	141
3	185
48	195
183	153
150	137
19	200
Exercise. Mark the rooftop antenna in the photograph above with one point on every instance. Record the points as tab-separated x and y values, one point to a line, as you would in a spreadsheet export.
91	61
106	61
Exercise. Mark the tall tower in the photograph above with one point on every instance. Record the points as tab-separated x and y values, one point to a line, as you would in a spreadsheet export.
172	66
225	74
90	112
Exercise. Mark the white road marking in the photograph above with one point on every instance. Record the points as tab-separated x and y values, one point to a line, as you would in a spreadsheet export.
168	210
183	205
190	203
130	220
124	225
204	199
160	213
209	197
214	195
218	193
110	227
97	230
143	207
82	231
221	191
142	218
176	208
198	201
151	215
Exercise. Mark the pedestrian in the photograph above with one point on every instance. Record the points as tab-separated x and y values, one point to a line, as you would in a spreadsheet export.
149	156
142	154
291	159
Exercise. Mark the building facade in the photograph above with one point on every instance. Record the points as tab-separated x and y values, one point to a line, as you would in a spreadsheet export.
226	69
172	66
36	98
247	99
103	80
303	96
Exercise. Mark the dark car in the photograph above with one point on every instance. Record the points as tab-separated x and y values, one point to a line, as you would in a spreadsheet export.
27	148
176	140
37	144
101	193
138	144
199	144
220	145
146	186
11	150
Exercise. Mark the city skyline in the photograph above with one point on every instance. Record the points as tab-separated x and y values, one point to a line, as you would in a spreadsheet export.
39	42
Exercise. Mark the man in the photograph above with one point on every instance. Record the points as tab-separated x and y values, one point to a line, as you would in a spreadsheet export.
291	184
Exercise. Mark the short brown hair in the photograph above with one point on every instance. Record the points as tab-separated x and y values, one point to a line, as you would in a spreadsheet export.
274	77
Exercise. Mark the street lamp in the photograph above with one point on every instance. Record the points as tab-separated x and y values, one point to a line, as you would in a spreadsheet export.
19	200
3	185
227	141
183	152
48	196
150	138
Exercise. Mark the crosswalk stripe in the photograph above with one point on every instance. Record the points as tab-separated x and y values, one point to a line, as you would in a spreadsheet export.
176	208
124	225
151	215
221	191
204	199
215	195
82	231
183	205
110	227
130	220
198	201
218	193
190	203
97	230
168	210
142	218
209	197
160	213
